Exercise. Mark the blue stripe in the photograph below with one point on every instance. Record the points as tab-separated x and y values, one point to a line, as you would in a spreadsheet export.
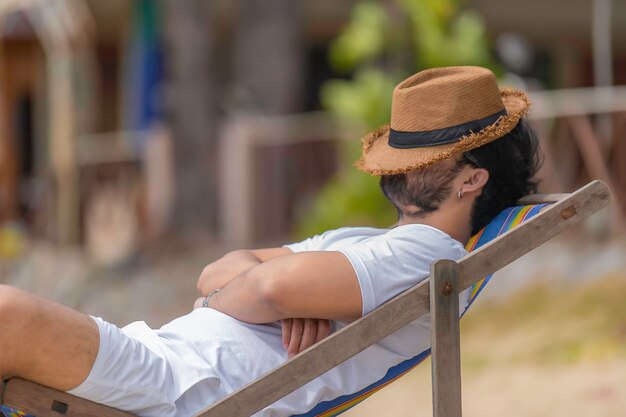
393	372
498	226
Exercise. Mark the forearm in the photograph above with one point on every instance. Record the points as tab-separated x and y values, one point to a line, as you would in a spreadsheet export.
221	272
246	298
312	285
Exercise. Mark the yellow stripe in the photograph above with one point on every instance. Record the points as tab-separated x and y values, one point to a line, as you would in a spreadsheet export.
519	218
471	244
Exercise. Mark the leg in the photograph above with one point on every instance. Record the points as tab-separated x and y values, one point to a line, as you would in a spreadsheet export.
43	341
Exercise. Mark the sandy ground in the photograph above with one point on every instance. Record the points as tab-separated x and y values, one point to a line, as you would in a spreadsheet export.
581	390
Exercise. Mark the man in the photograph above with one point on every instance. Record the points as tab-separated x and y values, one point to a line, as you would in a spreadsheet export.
456	154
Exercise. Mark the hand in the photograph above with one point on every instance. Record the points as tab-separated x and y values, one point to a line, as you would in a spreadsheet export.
219	273
299	334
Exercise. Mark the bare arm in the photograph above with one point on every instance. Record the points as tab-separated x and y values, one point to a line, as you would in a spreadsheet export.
219	273
306	285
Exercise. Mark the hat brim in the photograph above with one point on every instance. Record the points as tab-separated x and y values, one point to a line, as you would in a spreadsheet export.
378	158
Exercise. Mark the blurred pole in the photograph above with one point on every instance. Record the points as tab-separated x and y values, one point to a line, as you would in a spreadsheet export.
269	79
269	55
191	109
4	134
62	130
58	36
602	62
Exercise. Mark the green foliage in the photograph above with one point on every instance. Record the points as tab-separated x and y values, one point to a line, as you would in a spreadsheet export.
350	198
365	99
382	44
363	39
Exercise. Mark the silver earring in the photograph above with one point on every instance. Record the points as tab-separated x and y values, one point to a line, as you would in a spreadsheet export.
459	194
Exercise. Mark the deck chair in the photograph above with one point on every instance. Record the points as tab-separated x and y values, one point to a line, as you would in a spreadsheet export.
512	234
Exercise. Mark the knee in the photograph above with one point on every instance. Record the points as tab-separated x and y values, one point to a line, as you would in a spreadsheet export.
13	308
16	313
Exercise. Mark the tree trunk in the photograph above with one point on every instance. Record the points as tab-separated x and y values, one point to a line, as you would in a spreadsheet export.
192	113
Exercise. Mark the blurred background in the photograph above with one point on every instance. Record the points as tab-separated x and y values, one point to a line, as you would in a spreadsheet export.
142	139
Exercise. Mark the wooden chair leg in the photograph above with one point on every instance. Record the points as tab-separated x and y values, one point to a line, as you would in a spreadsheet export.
446	350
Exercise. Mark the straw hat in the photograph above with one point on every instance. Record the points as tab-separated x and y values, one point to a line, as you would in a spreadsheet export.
438	112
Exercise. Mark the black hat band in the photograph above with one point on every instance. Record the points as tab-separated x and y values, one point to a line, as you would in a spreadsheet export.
421	139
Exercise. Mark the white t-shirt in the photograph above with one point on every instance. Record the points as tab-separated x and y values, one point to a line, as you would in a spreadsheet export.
212	354
387	262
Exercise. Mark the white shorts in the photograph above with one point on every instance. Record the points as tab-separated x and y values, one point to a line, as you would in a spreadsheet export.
138	371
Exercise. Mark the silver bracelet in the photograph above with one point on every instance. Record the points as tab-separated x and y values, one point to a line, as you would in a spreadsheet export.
205	303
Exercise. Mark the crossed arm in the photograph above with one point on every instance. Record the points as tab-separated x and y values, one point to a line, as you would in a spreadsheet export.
266	285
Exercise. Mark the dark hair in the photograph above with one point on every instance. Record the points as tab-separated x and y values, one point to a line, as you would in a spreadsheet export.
512	162
425	189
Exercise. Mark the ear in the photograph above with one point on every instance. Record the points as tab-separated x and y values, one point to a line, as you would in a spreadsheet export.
475	180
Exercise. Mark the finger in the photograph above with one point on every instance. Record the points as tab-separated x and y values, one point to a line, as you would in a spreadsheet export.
201	281
308	334
286	331
198	302
323	330
296	337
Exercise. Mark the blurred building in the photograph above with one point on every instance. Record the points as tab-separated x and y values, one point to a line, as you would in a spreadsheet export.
86	138
123	120
558	37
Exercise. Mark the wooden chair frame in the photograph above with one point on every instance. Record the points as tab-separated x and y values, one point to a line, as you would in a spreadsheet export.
449	277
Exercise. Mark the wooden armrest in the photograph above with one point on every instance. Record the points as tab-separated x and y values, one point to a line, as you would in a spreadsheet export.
42	401
541	198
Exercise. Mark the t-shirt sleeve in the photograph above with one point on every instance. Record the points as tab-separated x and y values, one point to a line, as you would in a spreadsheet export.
388	264
314	243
